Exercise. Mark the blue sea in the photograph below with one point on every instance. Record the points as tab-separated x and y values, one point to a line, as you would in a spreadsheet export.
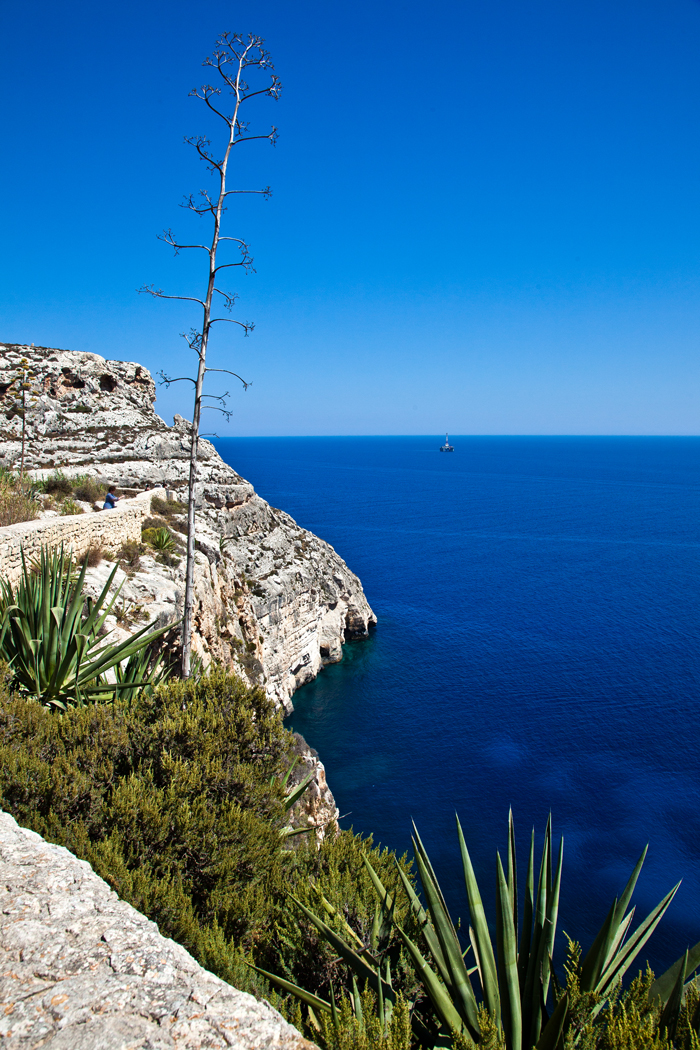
538	646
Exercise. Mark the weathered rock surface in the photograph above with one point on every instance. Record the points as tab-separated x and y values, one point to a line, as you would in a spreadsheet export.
273	600
82	970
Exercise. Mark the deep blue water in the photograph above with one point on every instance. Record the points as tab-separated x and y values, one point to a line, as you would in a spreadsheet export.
537	646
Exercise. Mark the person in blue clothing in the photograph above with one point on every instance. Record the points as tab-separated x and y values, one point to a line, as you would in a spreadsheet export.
111	499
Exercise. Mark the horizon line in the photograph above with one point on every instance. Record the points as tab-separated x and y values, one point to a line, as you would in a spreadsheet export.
272	437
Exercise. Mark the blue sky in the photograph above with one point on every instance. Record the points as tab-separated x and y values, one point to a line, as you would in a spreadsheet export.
486	216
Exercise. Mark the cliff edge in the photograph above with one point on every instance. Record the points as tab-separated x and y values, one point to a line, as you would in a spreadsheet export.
273	601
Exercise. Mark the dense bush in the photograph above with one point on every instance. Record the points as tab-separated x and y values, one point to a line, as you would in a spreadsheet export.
176	800
71	507
57	484
81	486
167	508
160	539
88	488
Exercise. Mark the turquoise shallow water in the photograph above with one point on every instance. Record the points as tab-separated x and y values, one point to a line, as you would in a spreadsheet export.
537	646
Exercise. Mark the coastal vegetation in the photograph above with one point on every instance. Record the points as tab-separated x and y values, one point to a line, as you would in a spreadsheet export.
63	487
22	497
160	539
514	980
177	797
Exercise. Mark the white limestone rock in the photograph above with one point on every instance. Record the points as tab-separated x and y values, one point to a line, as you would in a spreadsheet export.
82	970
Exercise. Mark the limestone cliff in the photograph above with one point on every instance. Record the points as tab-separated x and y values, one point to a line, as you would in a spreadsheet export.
273	600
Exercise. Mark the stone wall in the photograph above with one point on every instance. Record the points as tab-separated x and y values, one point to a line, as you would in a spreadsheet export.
108	529
82	970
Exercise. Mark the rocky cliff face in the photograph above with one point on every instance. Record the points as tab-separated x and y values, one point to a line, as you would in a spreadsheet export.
273	601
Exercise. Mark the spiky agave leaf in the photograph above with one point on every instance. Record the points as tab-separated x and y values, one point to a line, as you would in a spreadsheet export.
50	633
301	993
359	965
507	944
668	1021
531	994
522	976
483	948
663	986
610	935
437	993
462	991
528	911
431	937
624	957
134	674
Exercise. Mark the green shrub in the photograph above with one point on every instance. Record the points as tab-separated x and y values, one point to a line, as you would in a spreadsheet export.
176	799
165	558
88	488
362	1028
71	507
167	507
514	974
57	484
160	539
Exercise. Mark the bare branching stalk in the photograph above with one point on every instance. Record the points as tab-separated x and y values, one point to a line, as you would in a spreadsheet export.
24	394
234	60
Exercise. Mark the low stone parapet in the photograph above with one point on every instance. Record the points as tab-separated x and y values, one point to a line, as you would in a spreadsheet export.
108	529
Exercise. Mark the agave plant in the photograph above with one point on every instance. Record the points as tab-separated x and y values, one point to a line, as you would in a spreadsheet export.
513	981
140	673
49	634
160	539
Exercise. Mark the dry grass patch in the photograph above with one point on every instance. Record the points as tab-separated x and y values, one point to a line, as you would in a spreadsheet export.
16	504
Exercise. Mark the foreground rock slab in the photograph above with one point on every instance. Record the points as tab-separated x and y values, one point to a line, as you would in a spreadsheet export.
81	969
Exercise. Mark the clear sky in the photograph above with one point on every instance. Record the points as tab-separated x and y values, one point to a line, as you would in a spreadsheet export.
486	216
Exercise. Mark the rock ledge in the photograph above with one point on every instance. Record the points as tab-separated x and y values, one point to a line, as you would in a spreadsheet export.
82	970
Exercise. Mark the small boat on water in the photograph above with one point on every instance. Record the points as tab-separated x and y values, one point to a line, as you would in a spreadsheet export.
447	447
